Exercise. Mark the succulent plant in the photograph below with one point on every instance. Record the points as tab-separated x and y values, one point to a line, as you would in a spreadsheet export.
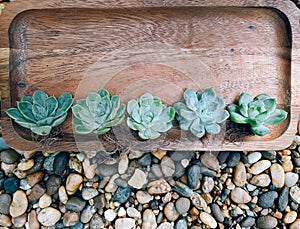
149	116
40	113
201	112
257	112
98	113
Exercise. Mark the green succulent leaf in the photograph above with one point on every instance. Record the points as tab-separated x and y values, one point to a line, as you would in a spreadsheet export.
201	112
257	112
132	104
260	130
103	93
244	99
40	113
276	117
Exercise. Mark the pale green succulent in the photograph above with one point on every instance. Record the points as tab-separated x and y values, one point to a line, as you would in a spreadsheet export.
98	113
201	112
149	116
256	112
40	113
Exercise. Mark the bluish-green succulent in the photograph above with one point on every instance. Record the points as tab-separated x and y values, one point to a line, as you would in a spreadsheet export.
201	112
149	116
40	113
257	112
98	113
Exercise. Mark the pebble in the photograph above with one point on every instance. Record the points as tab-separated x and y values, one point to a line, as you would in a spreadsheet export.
269	155
167	166
9	156
295	194
138	179
240	196
52	184
121	212
296	224
248	222
5	201
182	205
135	154
122	195
277	174
8	168
36	192
198	201
267	199
89	193
125	223
217	213
149	220
266	222
209	160
261	180
34	178
3	145
290	217
240	175
96	222
111	186
75	204
25	164
283	199
73	182
75	164
158	187
110	215
11	184
145	160
133	213
89	169
5	221
49	216
165	225
87	213
291	179
159	154
60	163
208	184
19	204
233	159
170	212
156	171
208	220
287	166
260	166
222	156
70	218
38	163
123	164
62	194
45	201
33	221
181	224
99	202
193	176
143	197
106	170
182	189
253	157
19	221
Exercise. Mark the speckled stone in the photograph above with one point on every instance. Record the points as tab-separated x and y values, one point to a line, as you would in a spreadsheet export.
266	222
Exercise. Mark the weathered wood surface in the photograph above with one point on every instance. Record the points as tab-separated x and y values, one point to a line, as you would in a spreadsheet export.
132	47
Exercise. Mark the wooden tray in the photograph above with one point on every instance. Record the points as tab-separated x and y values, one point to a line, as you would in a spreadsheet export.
131	47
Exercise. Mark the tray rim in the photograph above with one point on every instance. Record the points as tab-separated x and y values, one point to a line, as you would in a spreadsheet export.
286	8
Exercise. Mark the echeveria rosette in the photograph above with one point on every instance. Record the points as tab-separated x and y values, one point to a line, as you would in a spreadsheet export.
201	112
98	113
149	116
256	112
40	113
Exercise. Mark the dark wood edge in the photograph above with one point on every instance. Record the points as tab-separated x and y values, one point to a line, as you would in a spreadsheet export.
287	8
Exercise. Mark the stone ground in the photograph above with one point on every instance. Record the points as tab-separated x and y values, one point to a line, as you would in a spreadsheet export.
150	190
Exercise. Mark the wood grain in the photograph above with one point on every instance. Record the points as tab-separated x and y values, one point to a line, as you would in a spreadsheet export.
132	47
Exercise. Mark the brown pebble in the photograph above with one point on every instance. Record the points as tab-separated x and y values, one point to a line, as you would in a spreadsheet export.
287	166
194	211
296	224
37	191
32	220
19	221
70	218
5	220
34	178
